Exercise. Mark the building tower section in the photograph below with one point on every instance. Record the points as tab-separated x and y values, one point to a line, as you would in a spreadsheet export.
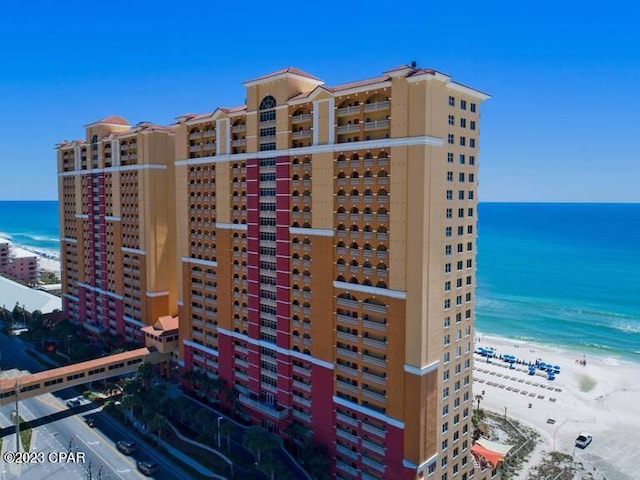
117	222
326	242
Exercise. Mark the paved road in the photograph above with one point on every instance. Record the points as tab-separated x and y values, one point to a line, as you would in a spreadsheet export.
60	428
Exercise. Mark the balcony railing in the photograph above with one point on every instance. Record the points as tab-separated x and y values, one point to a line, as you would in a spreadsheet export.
348	110
239	143
347	419
271	410
304	117
373	107
376	125
348	128
347	353
238	128
374	360
373	447
380	432
302	134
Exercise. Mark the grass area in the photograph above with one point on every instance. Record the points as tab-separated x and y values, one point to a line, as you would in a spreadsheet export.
557	466
25	436
48	278
587	383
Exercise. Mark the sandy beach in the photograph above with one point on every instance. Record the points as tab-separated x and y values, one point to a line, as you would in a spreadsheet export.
601	397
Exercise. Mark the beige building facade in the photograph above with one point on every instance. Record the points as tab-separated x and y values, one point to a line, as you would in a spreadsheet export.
117	224
327	244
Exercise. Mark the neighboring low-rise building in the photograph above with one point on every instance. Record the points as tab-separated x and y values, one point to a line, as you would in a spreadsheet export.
18	265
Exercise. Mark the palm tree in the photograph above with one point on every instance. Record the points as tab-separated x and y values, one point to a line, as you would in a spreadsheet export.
315	459
145	374
158	424
478	398
257	440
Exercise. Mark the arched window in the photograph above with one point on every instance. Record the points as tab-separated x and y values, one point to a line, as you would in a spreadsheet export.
268	103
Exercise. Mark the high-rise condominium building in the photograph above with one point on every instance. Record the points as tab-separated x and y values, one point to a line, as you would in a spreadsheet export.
117	227
327	240
323	261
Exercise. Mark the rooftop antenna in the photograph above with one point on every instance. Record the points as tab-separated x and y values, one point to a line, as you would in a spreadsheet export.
414	64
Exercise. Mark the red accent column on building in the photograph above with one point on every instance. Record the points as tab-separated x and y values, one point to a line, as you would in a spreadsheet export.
322	420
253	247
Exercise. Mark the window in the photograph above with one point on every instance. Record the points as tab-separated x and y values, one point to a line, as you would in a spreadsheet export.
458	283
452	120
463	141
470	195
447	286
461	159
472	177
461	176
460	248
470	227
472	160
459	300
468	280
469	246
472	124
469	263
470	212
452	101
463	123
450	138
473	107
472	142
449	212
447	250
447	306
445	392
467	297
447	339
459	265
447	268
446	358
445	427
447	322
449	194
461	213
445	443
460	230
449	157
460	194
445	377
449	176
463	104
447	231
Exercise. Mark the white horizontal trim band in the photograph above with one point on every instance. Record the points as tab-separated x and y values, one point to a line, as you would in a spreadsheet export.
202	348
126	168
99	290
133	250
383	292
162	293
421	370
316	232
333	147
271	346
231	226
369	412
133	321
70	240
206	263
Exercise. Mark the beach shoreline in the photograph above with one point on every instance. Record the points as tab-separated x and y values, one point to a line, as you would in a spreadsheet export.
594	394
48	261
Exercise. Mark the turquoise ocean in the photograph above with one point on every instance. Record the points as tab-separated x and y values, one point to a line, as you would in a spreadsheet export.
560	274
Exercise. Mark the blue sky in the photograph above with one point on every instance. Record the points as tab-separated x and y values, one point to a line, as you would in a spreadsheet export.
562	124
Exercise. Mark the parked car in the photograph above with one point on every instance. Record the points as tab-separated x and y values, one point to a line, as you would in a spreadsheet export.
73	403
126	446
148	468
91	421
583	440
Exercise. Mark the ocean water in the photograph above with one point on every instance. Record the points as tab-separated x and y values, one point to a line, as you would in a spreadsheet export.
562	274
33	224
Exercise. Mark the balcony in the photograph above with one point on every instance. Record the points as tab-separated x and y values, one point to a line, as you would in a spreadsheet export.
374	107
373	464
346	468
302	134
303	117
305	417
273	411
376	125
347	337
238	128
374	378
374	360
347	419
347	353
209	133
346	387
346	436
347	319
348	110
374	343
301	401
193	135
302	386
348	128
380	432
239	143
373	447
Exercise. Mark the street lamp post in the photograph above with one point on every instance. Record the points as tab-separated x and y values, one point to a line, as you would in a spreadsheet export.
17	420
219	442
